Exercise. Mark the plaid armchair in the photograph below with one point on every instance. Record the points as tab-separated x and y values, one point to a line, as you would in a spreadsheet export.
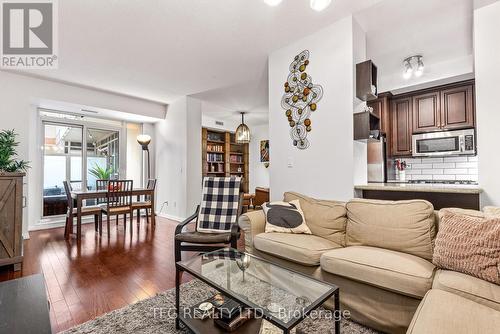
216	219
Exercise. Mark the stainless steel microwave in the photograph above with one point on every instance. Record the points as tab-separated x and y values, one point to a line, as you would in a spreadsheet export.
458	142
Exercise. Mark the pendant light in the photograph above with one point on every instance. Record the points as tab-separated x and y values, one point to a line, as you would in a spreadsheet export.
242	134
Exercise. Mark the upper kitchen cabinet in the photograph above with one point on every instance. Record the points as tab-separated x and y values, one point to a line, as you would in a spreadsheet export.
401	115
445	108
427	112
457	105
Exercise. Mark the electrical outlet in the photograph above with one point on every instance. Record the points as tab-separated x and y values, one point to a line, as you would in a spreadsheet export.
175	204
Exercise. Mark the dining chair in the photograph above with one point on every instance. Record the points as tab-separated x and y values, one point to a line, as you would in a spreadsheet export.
146	204
118	202
72	211
216	219
101	185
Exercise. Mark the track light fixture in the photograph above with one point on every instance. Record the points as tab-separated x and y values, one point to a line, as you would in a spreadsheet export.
413	65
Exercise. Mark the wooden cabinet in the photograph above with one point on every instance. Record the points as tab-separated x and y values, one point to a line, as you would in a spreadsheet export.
401	115
457	108
11	219
444	109
427	112
381	108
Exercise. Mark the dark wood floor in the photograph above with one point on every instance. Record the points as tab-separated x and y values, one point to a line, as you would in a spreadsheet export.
100	274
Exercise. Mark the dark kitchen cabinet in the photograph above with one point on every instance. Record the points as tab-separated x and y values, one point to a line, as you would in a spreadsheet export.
444	109
457	107
401	115
381	108
427	112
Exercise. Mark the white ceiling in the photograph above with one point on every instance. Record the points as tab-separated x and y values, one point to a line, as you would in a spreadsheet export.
216	50
163	49
439	30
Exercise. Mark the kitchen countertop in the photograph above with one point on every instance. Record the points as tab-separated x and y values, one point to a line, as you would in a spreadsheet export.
435	188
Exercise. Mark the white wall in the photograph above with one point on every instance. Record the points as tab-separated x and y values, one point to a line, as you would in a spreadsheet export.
487	67
360	149
134	154
258	174
325	169
19	97
178	158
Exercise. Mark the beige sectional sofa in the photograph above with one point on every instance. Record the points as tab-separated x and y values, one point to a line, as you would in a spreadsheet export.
379	253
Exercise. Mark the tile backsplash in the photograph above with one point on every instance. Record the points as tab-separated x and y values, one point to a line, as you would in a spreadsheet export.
445	169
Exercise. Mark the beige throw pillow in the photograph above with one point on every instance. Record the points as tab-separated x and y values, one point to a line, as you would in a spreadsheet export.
285	217
469	245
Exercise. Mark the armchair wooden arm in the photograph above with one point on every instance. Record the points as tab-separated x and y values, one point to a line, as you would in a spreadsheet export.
193	217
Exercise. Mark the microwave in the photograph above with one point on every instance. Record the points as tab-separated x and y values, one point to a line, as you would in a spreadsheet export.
458	142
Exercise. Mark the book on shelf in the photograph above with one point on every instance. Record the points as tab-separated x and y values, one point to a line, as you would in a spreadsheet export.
215	157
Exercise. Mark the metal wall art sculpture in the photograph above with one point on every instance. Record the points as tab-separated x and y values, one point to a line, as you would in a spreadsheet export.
300	100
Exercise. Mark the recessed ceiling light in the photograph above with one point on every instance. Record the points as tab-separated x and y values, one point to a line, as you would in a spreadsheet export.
273	2
319	5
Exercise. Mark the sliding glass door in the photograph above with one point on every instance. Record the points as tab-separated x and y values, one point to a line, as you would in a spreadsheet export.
62	161
65	159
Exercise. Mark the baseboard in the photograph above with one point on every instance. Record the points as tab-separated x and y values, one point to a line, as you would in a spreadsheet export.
171	217
41	225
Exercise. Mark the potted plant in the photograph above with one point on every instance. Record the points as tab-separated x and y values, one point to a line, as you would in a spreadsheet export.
101	173
12	172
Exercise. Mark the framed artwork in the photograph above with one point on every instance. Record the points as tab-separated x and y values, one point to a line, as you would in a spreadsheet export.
264	151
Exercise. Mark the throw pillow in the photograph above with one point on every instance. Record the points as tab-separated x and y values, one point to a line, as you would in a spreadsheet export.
470	245
285	217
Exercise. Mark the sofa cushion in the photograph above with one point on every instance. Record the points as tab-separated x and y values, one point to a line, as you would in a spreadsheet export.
470	245
443	312
491	211
400	272
326	219
467	286
305	249
404	226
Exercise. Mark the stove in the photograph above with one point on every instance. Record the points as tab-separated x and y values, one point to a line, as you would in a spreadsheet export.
459	182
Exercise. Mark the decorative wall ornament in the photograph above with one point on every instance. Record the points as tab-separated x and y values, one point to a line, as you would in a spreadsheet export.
300	100
264	151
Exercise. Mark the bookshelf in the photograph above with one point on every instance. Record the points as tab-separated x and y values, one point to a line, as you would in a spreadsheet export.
222	156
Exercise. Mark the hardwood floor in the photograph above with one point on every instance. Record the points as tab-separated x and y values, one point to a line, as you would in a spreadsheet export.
98	275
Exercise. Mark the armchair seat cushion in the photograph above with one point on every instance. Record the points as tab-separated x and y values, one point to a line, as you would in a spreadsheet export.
390	270
203	238
442	312
473	288
305	249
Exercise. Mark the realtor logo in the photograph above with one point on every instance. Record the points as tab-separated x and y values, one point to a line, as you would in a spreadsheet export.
29	34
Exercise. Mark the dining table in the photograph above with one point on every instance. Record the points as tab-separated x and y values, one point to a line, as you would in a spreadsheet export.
87	194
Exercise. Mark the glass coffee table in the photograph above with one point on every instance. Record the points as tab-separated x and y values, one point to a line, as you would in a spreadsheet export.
281	296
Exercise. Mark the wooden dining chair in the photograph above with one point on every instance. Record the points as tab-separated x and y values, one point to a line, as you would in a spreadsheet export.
71	213
101	185
118	201
145	204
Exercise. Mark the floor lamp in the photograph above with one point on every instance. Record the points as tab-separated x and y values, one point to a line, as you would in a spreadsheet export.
144	141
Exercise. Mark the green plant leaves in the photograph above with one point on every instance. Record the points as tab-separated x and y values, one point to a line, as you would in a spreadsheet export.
101	173
8	145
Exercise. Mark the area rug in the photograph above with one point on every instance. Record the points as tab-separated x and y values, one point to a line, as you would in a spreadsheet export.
153	315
